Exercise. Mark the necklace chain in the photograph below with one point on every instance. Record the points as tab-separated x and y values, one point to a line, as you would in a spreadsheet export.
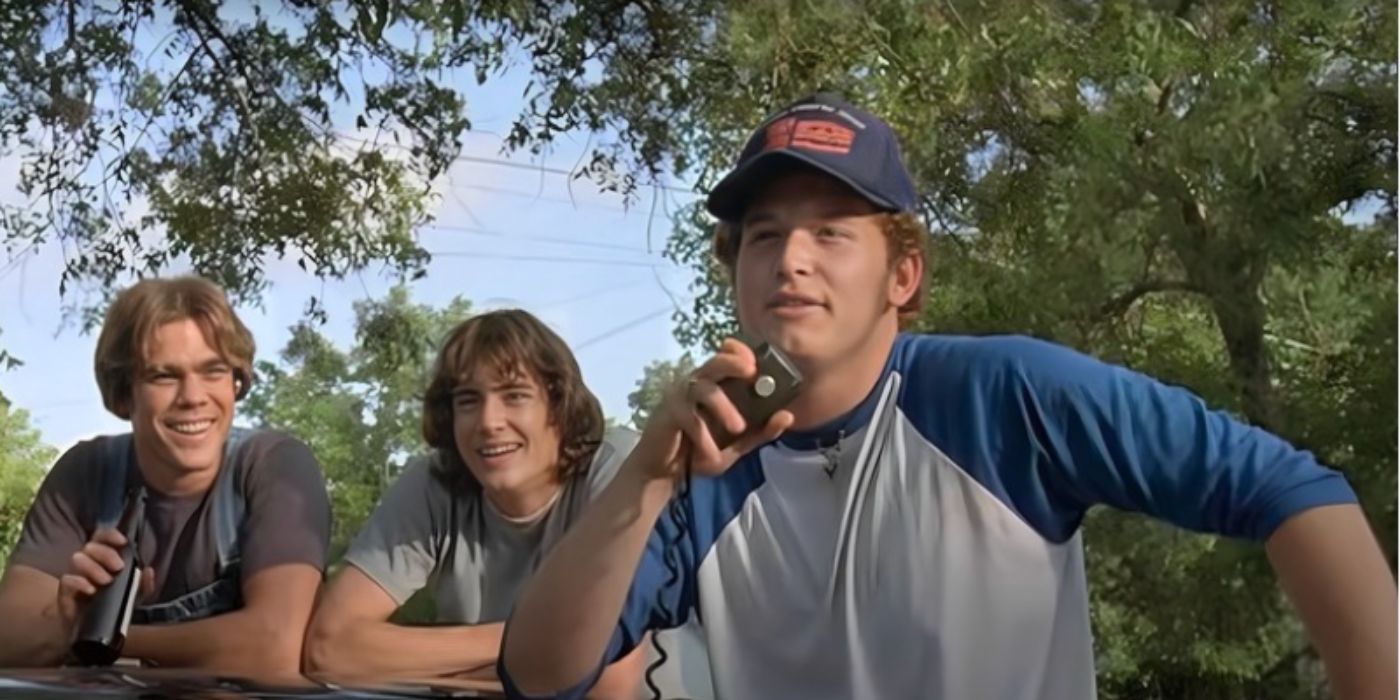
833	455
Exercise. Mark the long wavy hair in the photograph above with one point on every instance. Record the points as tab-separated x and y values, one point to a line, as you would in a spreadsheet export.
513	343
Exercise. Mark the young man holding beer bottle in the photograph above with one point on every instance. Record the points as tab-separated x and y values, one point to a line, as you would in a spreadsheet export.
236	523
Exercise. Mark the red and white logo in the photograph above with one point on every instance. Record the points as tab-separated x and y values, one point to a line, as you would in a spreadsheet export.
809	134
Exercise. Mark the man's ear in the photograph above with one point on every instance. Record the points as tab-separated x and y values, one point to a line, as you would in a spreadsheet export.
242	383
905	275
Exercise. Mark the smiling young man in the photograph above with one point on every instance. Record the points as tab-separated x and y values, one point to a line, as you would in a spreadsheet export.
237	522
909	527
519	447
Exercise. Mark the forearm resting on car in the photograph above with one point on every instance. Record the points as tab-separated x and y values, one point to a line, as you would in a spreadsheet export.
34	633
263	638
350	635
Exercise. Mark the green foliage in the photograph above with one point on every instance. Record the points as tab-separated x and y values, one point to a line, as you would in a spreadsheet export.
216	133
657	377
24	459
359	410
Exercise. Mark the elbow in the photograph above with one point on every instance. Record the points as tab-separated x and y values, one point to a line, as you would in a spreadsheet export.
533	676
320	652
276	650
625	688
622	680
512	663
516	666
318	657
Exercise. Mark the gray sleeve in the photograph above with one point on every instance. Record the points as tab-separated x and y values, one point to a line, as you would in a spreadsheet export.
617	444
398	546
289	513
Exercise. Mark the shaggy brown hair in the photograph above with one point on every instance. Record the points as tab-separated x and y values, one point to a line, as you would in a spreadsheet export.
513	343
904	233
144	307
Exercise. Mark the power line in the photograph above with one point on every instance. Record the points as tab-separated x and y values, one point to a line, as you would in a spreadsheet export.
539	197
19	258
624	327
492	233
656	264
547	258
503	163
585	296
551	170
674	303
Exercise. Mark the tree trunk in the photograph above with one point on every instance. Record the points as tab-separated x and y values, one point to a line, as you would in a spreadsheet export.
1240	316
1230	273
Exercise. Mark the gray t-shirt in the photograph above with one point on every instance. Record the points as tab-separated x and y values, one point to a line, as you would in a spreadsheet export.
288	516
421	534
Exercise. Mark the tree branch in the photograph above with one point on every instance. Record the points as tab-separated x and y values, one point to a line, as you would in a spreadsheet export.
1121	303
1165	98
200	17
241	64
949	232
73	26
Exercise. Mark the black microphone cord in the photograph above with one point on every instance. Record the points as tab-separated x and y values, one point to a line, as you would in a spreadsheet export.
680	518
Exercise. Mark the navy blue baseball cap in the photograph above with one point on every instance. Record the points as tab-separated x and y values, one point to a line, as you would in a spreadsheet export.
824	132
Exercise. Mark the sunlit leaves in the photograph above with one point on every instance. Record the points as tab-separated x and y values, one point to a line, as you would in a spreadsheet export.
359	408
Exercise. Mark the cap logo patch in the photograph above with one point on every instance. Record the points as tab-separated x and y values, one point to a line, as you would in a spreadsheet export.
823	136
779	133
810	134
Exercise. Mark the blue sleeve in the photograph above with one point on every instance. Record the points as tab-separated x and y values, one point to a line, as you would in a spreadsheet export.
661	596
1053	432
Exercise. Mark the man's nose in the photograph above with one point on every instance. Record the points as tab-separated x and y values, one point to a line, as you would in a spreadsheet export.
795	257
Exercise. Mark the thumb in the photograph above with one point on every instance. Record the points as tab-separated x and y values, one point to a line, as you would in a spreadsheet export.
148	583
777	424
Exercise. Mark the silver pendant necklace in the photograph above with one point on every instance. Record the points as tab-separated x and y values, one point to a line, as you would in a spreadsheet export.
832	455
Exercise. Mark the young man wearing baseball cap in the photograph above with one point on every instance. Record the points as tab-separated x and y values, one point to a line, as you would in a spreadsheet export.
909	526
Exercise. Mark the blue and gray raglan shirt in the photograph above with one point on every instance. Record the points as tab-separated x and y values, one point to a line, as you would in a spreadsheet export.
926	545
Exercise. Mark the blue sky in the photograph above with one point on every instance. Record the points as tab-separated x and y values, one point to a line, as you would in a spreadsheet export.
503	236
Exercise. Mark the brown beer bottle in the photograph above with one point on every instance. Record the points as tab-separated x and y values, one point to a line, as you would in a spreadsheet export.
103	624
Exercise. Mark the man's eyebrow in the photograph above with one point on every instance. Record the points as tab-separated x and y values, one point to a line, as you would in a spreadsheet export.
837	211
759	218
